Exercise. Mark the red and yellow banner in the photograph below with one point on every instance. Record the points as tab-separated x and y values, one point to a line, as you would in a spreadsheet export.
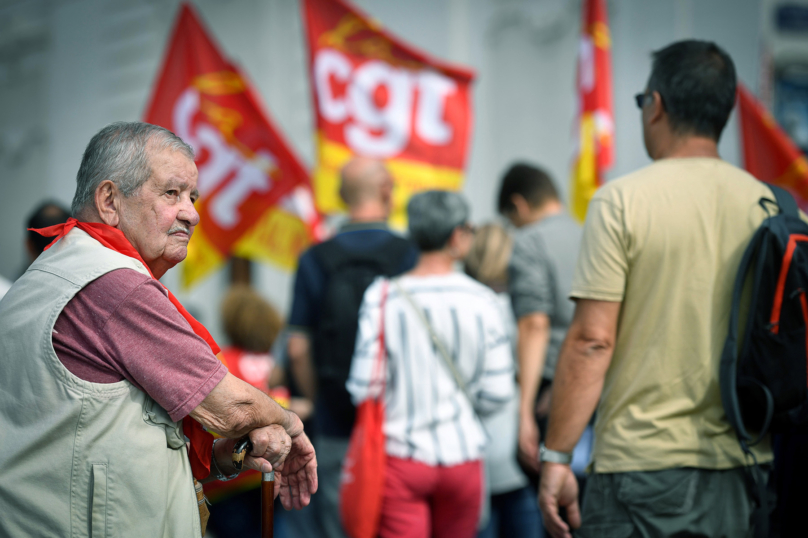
255	196
595	152
768	152
378	97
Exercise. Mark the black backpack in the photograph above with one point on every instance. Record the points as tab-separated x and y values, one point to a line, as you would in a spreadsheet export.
347	275
764	383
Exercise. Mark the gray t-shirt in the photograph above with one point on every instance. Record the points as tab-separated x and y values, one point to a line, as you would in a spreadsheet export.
540	276
502	470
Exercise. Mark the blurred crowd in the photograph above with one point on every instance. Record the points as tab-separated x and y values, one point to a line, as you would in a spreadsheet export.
462	460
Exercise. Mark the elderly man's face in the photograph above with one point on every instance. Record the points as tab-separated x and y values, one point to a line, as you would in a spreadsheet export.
159	220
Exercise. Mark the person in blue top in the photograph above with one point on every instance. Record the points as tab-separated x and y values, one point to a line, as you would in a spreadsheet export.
331	280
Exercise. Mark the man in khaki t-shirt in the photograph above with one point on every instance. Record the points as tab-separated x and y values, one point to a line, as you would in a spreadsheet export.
653	285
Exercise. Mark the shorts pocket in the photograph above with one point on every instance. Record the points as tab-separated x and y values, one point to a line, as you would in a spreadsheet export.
607	530
670	492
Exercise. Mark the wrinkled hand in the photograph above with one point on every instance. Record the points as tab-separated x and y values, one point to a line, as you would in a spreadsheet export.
559	488
298	474
529	436
271	446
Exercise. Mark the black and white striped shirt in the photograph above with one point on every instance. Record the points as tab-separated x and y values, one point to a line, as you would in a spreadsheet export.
427	416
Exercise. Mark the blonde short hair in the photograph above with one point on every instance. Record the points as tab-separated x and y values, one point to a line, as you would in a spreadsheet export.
490	253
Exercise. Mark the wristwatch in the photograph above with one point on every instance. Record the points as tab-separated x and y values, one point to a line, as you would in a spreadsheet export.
554	456
219	475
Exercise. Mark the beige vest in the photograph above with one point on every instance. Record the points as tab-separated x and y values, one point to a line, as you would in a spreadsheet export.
80	459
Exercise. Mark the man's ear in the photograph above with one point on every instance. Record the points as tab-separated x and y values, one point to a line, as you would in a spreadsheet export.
386	189
454	241
107	202
657	108
520	205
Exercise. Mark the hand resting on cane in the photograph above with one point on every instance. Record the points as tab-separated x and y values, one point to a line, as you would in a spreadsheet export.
234	408
296	471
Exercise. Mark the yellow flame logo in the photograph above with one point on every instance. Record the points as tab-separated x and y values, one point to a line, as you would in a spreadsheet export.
600	35
219	83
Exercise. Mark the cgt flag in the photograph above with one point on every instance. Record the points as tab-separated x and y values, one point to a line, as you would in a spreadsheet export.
378	97
595	118
255	196
768	153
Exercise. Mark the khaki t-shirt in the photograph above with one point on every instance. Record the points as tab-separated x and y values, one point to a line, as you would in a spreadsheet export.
667	241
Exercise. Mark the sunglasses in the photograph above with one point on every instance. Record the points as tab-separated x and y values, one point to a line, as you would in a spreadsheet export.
641	97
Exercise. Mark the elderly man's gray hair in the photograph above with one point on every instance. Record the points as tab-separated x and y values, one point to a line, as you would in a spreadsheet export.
433	216
120	152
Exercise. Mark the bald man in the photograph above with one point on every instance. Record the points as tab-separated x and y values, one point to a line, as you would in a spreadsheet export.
330	283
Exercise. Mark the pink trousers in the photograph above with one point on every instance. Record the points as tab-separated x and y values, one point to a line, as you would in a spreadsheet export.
422	501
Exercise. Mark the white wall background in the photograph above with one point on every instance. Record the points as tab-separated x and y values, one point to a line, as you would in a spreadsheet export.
67	68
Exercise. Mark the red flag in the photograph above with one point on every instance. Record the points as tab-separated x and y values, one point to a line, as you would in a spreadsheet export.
252	187
768	152
595	115
377	96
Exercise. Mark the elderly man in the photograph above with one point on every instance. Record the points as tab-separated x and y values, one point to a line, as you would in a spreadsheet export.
331	280
653	287
101	364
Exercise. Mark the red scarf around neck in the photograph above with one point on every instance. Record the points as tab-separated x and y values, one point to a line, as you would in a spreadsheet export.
113	239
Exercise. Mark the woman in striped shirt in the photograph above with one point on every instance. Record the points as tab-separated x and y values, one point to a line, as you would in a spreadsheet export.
435	440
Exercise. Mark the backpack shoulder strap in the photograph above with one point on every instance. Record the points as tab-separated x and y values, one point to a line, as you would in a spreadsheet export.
331	255
394	251
786	202
729	356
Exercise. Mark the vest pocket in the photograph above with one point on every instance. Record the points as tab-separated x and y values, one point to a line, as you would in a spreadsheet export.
98	512
155	415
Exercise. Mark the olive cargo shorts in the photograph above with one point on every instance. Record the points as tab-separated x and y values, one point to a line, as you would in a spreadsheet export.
672	502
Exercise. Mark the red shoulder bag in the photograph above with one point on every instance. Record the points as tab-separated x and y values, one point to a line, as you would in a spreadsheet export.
363	470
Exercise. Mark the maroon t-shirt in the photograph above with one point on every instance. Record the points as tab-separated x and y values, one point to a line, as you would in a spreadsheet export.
122	326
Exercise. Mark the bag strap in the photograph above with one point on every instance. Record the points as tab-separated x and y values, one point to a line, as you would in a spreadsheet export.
729	356
437	341
757	486
728	374
786	202
379	369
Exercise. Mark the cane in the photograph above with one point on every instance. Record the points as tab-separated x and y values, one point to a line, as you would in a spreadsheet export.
242	447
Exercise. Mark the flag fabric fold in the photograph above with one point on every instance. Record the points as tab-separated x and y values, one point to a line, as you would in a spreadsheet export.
379	97
255	195
768	153
595	140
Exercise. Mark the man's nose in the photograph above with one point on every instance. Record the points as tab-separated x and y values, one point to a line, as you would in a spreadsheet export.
188	213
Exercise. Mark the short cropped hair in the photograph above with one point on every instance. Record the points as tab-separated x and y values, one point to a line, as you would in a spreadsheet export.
250	322
120	152
46	214
696	80
433	216
531	182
